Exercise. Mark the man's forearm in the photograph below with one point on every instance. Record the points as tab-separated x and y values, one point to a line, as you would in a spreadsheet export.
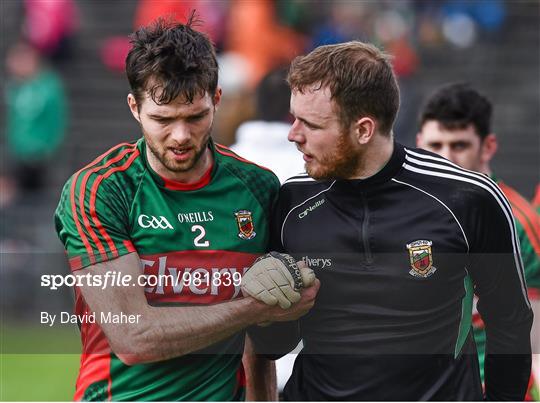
260	375
168	332
161	333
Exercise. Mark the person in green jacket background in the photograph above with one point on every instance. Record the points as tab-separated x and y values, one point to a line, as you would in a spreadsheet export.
36	115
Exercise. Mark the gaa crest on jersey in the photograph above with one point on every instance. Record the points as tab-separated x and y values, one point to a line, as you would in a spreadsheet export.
245	224
421	258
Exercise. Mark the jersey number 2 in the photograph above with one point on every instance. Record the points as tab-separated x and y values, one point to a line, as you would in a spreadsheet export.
199	241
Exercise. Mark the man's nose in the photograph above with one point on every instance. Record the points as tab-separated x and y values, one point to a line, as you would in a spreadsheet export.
446	153
295	133
180	133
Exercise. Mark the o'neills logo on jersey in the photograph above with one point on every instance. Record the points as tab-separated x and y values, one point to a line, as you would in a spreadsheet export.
146	221
421	258
245	224
311	208
193	277
195	217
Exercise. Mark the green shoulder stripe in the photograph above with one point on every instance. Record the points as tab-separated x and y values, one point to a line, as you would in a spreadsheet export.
466	314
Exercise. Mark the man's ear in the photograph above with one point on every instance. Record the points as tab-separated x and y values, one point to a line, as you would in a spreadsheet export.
217	97
133	107
364	129
489	148
419	140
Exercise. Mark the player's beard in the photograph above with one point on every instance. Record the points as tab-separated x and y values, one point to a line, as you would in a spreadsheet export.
342	162
162	153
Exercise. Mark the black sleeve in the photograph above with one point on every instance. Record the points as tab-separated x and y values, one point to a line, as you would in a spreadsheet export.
278	339
496	269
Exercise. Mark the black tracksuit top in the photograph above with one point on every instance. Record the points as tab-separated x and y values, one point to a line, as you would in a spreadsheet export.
399	256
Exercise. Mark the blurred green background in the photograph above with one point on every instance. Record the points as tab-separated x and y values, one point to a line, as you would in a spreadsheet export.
44	376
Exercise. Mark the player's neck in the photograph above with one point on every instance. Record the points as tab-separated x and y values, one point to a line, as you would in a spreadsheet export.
375	156
193	175
486	169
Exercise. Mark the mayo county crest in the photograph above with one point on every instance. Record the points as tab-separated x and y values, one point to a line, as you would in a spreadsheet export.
245	224
421	258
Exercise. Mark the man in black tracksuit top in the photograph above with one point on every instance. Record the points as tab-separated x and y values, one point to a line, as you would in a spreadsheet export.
400	239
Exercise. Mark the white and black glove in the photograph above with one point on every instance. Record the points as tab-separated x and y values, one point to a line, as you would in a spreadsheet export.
276	278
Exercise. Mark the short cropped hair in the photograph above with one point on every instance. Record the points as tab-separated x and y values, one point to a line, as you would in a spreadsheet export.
456	106
169	59
360	79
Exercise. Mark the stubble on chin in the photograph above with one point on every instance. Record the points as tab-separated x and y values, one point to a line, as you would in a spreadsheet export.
340	163
179	167
160	155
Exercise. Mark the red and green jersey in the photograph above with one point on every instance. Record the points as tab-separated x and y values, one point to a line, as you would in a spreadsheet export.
212	229
528	229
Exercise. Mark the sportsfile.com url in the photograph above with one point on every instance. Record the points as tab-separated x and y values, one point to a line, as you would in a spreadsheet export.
115	279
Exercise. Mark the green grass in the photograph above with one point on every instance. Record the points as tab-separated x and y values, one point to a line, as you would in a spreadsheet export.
35	364
41	377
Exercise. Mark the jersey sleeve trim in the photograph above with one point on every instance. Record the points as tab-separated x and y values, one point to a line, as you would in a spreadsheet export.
444	205
80	262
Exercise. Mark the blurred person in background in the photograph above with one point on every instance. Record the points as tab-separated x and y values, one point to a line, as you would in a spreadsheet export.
237	103
212	13
255	33
49	26
114	49
36	115
264	140
456	124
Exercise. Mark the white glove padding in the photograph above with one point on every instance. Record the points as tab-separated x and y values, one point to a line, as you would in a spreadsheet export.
308	275
275	278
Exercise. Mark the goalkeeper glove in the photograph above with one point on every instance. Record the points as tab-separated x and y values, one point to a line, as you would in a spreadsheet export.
275	278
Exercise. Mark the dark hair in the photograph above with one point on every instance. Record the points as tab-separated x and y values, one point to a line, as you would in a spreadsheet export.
360	79
169	59
456	106
273	96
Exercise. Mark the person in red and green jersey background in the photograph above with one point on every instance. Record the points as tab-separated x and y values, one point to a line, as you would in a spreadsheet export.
176	207
456	124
